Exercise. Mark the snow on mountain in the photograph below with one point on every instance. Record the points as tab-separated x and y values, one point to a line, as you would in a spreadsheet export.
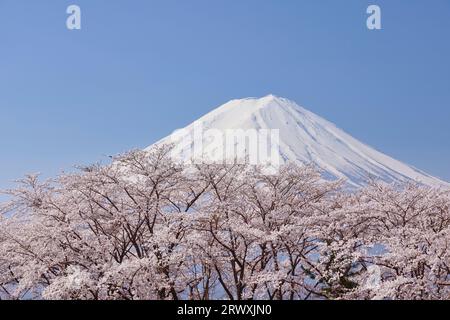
306	138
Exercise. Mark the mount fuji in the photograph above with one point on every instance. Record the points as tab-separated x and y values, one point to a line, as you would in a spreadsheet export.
306	138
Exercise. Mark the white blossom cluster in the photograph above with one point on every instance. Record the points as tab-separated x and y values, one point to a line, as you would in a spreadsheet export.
147	228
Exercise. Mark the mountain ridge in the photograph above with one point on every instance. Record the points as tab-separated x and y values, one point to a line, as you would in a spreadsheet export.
307	138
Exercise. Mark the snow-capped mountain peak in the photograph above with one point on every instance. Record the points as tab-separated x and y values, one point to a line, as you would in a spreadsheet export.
304	137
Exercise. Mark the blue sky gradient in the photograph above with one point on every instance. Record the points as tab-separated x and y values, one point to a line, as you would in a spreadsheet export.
140	69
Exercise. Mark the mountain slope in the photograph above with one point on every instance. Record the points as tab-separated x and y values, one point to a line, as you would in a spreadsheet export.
307	138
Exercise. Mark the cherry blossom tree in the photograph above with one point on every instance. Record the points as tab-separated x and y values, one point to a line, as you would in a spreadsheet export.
145	227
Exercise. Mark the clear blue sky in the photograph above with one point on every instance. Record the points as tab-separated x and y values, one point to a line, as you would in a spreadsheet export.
140	69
